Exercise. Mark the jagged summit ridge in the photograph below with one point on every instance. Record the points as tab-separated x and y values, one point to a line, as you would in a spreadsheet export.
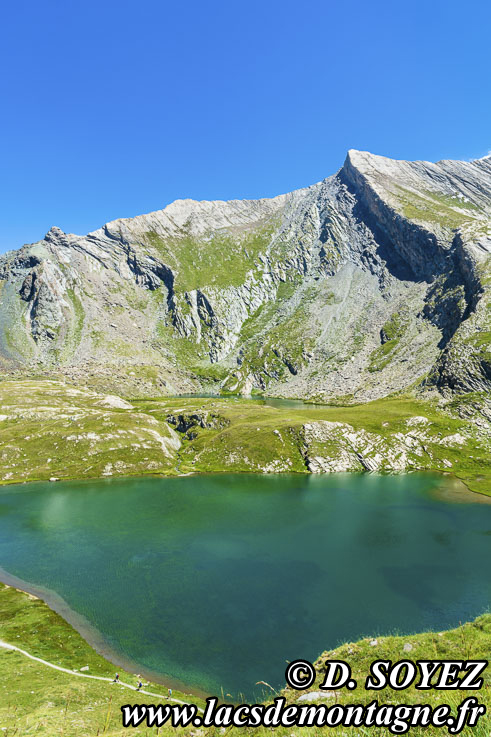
365	283
467	182
199	217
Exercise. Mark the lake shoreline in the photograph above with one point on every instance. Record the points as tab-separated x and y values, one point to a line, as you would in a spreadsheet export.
93	637
484	498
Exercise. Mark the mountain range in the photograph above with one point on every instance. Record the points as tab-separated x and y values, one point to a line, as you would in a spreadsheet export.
371	282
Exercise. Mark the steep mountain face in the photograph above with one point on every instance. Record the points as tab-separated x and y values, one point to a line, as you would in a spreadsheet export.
371	281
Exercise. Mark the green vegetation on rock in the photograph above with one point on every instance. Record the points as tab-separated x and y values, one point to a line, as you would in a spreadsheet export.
434	207
220	260
391	333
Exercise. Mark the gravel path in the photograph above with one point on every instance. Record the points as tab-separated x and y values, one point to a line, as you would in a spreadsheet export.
6	646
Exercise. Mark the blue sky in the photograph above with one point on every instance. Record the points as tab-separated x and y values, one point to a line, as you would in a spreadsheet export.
110	109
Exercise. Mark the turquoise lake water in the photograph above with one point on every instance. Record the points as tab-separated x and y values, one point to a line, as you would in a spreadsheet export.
218	580
278	402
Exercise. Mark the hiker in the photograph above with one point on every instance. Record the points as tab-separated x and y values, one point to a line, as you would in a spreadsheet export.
116	678
140	685
170	692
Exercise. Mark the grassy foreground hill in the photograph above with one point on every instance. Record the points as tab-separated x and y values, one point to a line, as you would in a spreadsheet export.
38	700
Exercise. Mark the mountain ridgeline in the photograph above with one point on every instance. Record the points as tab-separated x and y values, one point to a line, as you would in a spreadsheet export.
372	281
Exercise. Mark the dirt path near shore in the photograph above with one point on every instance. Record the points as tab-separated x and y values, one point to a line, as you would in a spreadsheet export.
6	646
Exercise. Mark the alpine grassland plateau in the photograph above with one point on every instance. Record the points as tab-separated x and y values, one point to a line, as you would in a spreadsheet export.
49	429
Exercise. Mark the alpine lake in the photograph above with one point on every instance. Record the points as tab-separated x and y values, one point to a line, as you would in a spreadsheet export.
216	581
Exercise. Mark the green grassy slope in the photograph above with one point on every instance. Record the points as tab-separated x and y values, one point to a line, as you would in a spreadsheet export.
221	260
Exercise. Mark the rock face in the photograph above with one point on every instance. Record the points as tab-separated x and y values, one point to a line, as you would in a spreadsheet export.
373	280
338	447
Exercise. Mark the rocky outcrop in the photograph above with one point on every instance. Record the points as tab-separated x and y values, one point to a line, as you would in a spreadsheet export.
337	447
184	421
44	289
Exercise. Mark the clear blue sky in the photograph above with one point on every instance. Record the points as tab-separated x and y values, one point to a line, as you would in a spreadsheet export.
112	108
